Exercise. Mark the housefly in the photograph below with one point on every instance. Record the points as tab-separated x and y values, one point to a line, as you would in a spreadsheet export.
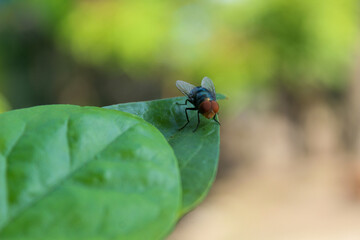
203	98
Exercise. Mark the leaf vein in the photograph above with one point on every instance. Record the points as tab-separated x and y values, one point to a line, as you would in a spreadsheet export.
56	186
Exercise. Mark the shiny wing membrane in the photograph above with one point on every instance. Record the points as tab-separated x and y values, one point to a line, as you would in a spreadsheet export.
209	85
184	87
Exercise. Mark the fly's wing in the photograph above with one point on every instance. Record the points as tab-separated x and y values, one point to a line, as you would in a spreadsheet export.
185	87
209	85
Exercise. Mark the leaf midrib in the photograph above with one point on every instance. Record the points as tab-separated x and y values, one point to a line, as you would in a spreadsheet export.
67	176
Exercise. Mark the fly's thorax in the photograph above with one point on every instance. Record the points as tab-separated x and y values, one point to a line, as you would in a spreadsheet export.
199	95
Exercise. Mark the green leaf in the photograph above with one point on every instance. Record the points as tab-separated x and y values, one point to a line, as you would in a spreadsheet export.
69	172
220	96
197	153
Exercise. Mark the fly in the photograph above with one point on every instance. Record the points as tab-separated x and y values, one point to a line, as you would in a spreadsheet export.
203	98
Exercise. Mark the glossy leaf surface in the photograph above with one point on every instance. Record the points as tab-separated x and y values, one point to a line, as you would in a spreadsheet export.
197	152
69	172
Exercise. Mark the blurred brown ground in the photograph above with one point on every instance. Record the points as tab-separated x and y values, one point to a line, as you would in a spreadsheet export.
280	179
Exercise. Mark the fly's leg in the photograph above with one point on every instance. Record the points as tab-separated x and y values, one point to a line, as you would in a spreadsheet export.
198	122
183	103
187	117
216	120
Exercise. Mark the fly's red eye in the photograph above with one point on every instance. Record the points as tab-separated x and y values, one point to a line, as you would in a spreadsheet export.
215	106
205	107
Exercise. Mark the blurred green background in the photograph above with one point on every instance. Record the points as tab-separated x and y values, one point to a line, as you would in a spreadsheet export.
289	69
105	52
